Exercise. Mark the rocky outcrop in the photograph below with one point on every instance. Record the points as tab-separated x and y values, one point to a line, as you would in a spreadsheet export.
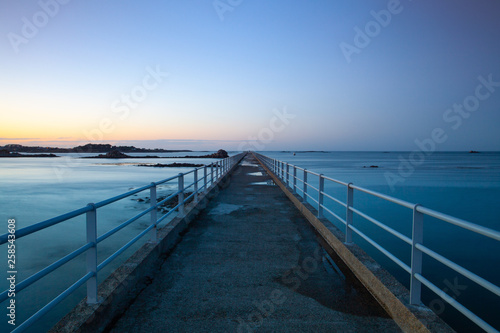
111	154
87	148
115	154
7	153
221	153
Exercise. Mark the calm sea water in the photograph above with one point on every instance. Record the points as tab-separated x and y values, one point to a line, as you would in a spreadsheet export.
463	185
35	189
460	184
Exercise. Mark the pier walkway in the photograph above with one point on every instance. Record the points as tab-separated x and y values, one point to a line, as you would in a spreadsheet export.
252	262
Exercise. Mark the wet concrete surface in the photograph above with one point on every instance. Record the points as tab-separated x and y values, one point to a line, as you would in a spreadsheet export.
252	263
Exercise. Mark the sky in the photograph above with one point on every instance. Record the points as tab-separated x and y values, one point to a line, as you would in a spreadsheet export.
262	75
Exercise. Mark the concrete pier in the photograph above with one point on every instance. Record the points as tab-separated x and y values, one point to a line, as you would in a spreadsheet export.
252	262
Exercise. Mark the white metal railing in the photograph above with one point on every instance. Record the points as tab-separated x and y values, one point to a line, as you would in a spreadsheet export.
211	174
282	170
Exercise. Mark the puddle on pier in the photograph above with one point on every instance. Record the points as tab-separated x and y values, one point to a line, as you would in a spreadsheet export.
224	209
267	182
249	164
317	276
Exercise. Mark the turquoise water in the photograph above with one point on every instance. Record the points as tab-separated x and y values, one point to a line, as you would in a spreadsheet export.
463	185
35	189
460	184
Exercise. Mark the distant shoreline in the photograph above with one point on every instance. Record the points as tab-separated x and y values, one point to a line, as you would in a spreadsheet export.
17	155
88	148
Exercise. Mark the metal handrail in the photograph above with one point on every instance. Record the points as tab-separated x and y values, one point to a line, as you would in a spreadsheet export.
418	249
334	199
381	249
222	167
461	223
335	215
381	225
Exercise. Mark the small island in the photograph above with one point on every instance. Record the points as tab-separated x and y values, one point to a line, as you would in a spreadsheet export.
115	154
7	153
221	153
118	154
88	148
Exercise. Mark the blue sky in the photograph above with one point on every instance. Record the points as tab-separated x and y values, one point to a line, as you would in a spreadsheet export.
84	71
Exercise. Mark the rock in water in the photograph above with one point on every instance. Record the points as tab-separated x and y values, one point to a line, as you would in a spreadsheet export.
221	153
114	154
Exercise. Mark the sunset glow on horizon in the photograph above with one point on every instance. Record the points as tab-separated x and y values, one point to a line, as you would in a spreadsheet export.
351	76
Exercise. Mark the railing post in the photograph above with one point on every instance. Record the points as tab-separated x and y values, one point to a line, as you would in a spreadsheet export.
180	196
321	189
304	188
416	255
211	174
348	214
152	199
294	179
287	171
92	254
196	185
205	180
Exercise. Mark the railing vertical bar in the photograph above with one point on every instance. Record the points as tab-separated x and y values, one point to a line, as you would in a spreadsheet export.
92	254
294	179
180	196
304	188
205	180
416	256
348	214
287	174
211	174
321	189
196	185
153	238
